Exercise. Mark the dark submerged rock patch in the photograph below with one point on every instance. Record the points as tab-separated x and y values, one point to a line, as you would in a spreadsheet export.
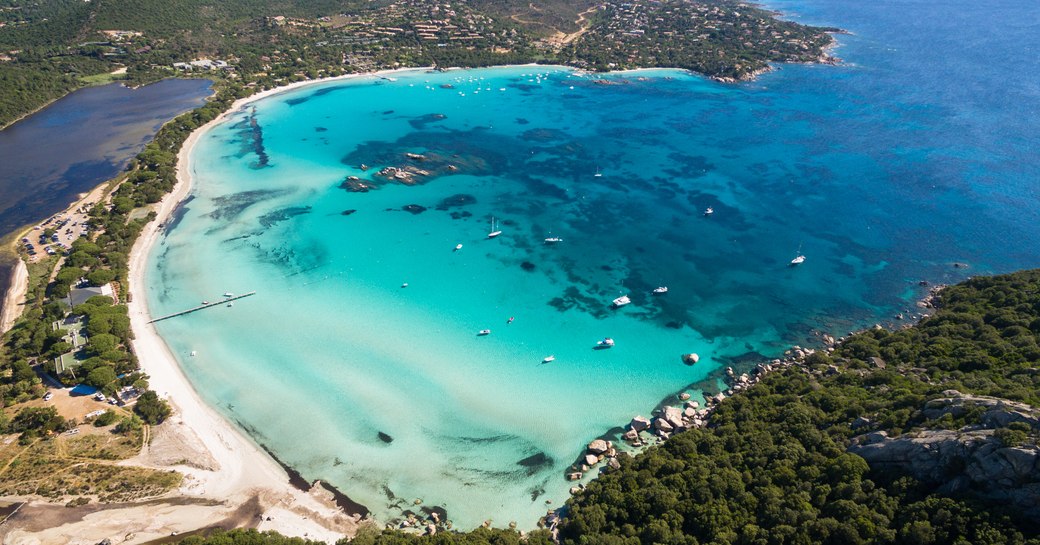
269	219
414	208
457	200
422	121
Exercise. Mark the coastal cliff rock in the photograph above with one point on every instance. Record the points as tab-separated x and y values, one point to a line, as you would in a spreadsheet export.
997	413
973	459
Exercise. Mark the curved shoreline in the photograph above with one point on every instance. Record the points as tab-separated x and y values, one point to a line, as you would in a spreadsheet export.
243	470
229	444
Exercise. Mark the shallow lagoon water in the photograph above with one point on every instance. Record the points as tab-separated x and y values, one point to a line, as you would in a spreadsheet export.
877	192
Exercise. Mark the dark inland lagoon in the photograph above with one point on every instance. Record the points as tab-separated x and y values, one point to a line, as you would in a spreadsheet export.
51	157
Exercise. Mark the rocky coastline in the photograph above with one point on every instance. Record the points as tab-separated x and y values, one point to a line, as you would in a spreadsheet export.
679	412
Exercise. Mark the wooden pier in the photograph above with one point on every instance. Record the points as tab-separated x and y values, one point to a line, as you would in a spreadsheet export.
223	301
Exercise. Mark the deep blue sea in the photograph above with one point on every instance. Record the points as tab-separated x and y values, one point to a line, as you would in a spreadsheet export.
50	158
917	153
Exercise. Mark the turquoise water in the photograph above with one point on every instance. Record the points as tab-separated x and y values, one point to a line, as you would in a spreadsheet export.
879	184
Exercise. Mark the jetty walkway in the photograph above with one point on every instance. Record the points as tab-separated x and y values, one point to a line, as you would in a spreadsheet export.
222	301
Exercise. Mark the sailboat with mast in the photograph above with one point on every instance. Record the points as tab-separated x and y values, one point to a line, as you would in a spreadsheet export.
495	231
799	259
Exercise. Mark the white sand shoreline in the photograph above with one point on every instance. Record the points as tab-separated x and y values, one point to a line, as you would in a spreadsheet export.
15	297
230	447
239	470
242	469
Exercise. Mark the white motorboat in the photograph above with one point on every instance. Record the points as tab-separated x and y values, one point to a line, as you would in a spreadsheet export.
661	290
605	343
709	211
621	301
483	332
798	260
548	359
228	294
458	247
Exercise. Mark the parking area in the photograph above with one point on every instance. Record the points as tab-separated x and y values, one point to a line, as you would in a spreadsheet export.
54	236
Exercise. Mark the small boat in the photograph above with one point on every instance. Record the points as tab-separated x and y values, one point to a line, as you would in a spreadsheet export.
205	302
230	305
605	343
598	174
405	285
458	247
510	320
552	239
709	211
548	359
193	353
229	294
483	332
621	301
494	232
661	290
800	257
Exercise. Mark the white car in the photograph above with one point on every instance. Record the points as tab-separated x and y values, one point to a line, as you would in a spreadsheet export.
48	396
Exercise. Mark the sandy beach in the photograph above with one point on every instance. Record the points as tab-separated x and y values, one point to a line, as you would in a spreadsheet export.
229	480
239	470
15	297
